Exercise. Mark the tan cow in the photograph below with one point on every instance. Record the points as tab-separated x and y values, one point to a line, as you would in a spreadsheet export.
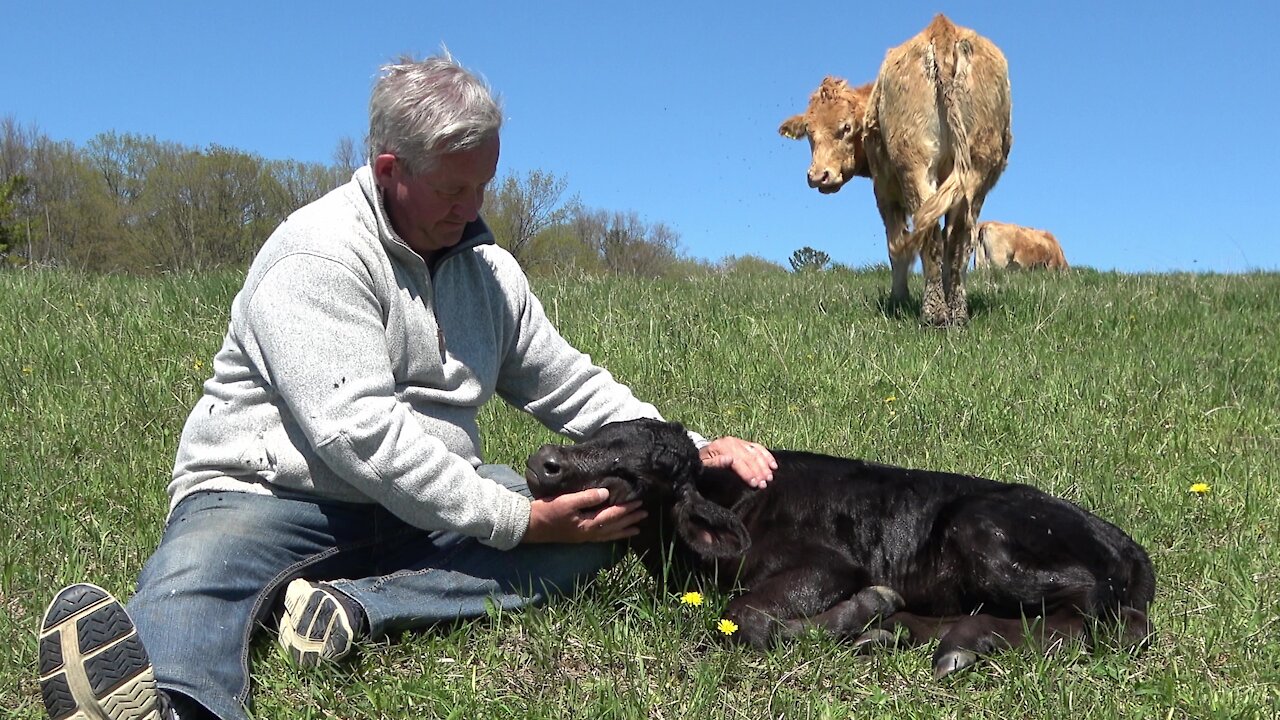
1003	245
933	134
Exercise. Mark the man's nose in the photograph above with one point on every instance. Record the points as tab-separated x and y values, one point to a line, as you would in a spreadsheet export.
469	209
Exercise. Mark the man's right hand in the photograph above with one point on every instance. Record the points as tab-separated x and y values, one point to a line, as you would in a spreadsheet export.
581	517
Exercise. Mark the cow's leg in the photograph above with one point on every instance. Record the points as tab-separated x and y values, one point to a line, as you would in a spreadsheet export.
902	251
849	616
901	268
933	303
761	612
958	246
978	635
917	185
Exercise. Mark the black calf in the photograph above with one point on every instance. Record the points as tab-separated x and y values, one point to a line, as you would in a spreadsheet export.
878	553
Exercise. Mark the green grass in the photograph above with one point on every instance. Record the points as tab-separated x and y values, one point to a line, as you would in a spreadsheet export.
1115	391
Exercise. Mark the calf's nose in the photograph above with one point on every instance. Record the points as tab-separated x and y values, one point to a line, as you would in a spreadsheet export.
546	463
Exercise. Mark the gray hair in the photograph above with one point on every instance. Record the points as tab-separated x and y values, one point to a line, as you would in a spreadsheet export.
422	109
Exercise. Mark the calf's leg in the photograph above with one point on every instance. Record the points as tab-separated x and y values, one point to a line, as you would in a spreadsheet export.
977	635
849	617
903	629
762	612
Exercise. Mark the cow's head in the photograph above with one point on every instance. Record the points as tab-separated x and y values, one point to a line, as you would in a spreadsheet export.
648	460
833	123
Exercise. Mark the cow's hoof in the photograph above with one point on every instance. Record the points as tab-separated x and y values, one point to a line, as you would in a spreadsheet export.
873	640
951	661
937	319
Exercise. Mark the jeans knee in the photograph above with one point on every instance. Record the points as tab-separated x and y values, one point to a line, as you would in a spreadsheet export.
567	567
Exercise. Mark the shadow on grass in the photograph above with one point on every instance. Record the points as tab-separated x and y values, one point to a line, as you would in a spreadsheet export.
893	308
980	303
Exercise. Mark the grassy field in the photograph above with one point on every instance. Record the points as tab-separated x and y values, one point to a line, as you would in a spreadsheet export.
1116	391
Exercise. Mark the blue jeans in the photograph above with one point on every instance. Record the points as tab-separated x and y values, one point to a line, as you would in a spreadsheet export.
225	558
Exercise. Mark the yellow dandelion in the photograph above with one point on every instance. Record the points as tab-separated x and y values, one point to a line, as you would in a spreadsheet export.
691	598
726	626
26	370
891	399
1200	488
197	364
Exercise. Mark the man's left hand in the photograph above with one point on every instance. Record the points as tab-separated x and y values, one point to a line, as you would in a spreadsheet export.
751	461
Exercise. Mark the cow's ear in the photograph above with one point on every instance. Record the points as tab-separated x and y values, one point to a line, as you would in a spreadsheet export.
710	530
794	127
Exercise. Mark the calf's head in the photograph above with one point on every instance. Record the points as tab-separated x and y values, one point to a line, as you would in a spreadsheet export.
648	460
833	122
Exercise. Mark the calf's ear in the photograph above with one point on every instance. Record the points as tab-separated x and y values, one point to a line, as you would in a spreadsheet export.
711	530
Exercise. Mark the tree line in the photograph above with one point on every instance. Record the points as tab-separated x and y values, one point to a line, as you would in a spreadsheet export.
131	203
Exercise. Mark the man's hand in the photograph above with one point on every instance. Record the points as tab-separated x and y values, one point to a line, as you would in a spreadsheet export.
753	462
581	517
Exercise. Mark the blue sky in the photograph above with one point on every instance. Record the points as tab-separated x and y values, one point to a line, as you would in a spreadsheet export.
1144	133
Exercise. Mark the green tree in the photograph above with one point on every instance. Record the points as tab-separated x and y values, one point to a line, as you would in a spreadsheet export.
347	157
11	189
298	183
626	245
750	265
806	259
74	222
523	206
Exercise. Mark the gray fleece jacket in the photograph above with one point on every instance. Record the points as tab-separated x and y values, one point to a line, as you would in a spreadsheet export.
351	371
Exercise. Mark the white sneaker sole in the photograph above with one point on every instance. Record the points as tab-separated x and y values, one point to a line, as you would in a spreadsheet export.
315	627
92	663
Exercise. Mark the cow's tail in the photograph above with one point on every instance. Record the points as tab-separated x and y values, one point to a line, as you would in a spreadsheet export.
949	64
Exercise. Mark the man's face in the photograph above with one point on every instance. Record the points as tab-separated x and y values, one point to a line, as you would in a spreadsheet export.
430	210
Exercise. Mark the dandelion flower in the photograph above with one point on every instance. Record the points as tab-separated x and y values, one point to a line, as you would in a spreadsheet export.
197	365
891	399
1199	488
26	370
726	626
691	598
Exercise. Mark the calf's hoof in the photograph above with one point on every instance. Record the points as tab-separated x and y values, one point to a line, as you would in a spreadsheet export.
873	640
888	601
951	661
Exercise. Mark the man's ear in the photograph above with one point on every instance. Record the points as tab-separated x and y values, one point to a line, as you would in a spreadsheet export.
710	530
794	127
385	167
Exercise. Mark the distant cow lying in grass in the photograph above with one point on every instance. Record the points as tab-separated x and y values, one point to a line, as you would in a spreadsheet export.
868	551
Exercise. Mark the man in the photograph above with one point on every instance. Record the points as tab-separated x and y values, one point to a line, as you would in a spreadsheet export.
335	455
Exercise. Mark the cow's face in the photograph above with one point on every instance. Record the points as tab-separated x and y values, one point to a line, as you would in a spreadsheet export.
833	123
637	459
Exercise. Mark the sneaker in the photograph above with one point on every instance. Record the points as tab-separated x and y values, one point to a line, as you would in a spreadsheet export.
317	626
92	663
